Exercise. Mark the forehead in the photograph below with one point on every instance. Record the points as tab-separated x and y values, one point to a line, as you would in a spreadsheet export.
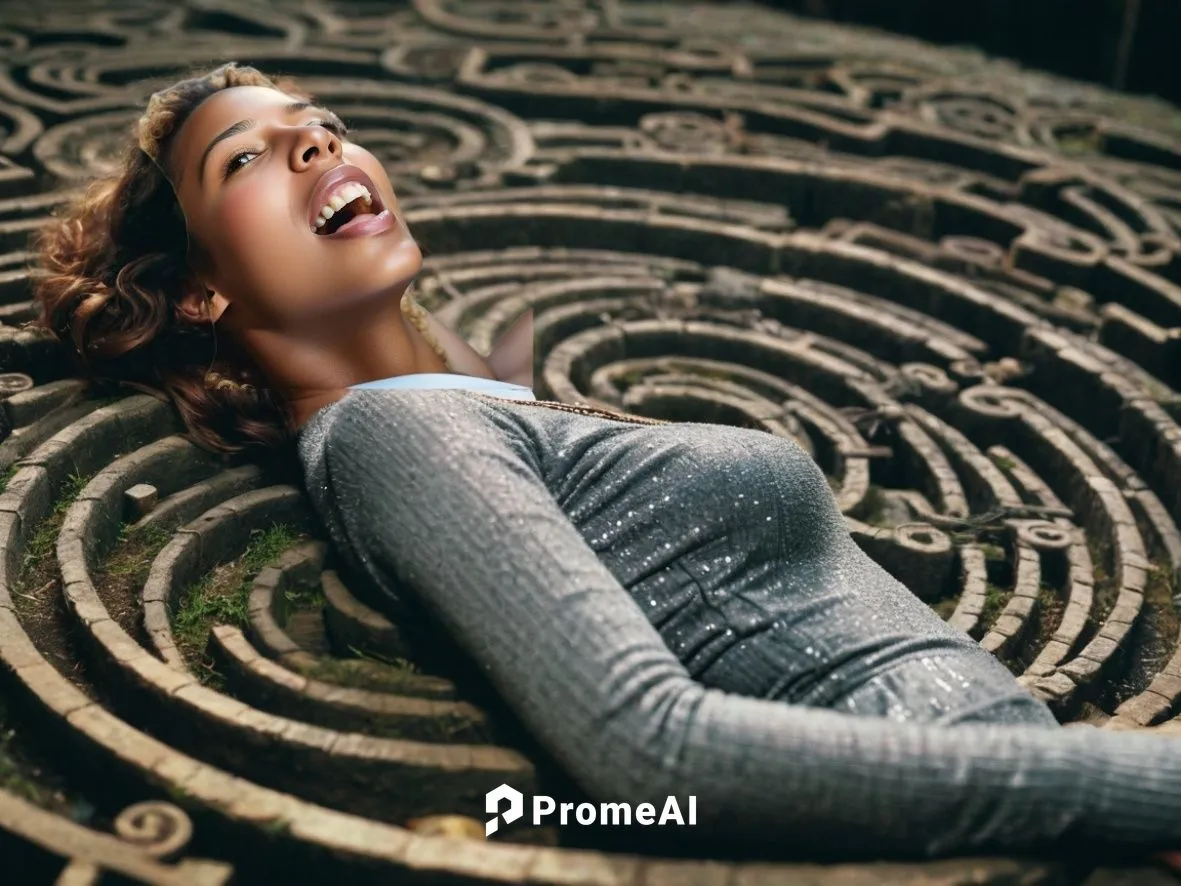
224	108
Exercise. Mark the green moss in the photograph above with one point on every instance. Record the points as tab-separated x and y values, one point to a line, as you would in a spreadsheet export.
1077	144
7	474
994	601
208	675
1159	589
363	673
1106	586
37	559
1155	389
1005	463
994	553
222	596
20	776
715	374
307	597
873	505
1161	585
1050	606
631	378
1046	596
276	827
134	552
206	603
397	662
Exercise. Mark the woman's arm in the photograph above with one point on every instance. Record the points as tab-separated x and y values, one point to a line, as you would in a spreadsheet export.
461	356
512	355
511	358
472	527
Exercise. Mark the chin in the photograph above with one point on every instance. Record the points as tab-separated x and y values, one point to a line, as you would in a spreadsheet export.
414	255
408	240
403	261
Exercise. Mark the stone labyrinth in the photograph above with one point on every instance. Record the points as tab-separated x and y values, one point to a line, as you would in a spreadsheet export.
955	283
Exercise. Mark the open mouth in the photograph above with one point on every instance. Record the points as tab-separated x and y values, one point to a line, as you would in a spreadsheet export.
356	208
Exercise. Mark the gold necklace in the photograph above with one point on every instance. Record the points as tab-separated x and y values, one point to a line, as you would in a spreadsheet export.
417	315
585	410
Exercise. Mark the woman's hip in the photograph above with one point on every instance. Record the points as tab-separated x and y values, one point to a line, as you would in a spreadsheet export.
947	689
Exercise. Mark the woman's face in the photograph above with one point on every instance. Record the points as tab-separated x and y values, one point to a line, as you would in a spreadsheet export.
248	197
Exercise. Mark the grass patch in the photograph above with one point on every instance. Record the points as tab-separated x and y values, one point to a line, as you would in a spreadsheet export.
1106	588
1076	144
994	601
222	597
26	770
277	827
995	553
1152	639
137	548
1050	607
401	664
1161	586
119	578
41	544
632	377
7	474
873	505
1004	463
367	671
1047	616
307	597
23	776
37	592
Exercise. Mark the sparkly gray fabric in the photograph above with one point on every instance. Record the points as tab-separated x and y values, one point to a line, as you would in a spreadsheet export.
680	609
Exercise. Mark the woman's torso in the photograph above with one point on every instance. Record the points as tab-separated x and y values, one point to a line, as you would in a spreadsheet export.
724	539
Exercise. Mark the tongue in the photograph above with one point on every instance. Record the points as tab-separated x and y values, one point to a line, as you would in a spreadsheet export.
353	219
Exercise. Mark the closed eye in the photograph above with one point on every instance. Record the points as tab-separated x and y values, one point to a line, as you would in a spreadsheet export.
331	125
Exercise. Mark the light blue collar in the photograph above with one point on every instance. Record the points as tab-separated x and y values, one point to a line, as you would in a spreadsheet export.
448	380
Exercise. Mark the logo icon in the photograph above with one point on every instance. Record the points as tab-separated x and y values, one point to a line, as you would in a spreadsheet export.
516	807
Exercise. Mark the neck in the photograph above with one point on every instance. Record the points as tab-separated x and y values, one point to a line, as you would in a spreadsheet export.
309	373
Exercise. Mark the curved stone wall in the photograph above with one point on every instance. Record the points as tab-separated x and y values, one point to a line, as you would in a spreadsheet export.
955	283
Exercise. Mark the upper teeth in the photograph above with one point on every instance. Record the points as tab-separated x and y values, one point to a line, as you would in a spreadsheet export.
347	194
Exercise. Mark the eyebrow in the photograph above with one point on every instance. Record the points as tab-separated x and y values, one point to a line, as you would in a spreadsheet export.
249	123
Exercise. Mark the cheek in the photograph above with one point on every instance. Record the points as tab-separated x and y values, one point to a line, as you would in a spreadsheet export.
257	220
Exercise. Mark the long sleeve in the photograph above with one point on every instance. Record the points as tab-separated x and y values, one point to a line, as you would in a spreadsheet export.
439	496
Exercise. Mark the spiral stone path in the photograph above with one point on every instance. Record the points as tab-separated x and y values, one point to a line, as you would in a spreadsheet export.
956	283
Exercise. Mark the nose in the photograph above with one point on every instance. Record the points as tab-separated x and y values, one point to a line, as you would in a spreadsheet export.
312	142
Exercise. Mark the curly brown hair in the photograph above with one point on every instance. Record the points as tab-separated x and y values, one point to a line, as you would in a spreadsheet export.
112	266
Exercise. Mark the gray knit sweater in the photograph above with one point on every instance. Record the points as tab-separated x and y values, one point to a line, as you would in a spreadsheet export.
549	545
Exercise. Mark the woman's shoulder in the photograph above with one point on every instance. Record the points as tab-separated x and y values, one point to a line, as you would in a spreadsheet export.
373	414
415	422
389	401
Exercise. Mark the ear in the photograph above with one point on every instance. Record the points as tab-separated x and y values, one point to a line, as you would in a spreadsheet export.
220	303
195	304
